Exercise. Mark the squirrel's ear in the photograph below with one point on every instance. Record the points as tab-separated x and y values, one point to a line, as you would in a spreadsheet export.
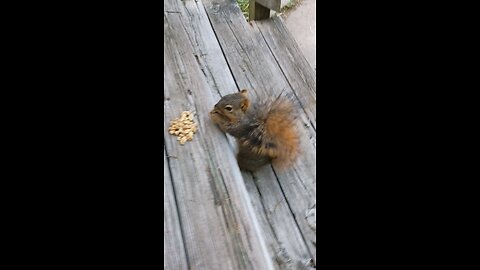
245	104
243	92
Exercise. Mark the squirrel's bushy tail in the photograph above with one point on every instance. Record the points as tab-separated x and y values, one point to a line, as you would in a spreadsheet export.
281	139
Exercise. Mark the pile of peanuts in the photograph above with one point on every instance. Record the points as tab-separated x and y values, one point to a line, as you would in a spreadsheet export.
183	127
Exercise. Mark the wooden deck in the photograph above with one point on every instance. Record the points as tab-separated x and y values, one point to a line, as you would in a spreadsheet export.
216	216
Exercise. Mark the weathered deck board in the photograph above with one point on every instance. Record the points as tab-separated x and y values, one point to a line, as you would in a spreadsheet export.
245	51
254	66
283	238
209	55
174	251
196	75
301	77
250	59
292	62
283	235
220	228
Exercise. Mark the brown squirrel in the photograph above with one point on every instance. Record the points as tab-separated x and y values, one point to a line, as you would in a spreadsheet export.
265	131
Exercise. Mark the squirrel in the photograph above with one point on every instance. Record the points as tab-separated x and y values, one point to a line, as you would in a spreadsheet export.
265	131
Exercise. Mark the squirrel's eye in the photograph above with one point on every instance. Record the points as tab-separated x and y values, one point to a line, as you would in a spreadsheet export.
228	108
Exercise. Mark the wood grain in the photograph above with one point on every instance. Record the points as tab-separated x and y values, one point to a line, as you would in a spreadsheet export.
271	4
173	249
230	219
292	62
219	225
257	11
253	64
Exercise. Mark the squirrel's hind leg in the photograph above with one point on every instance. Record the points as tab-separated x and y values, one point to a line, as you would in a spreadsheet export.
249	162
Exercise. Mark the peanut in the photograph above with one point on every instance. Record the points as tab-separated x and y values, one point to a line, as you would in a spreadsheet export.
183	127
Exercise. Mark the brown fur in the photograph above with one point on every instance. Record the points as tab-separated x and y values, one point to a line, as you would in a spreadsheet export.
265	132
280	130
